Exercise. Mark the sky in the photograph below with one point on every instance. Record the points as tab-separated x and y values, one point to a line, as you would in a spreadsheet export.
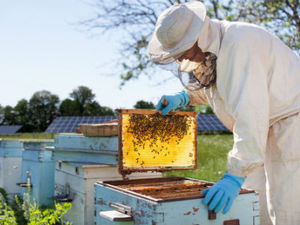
43	47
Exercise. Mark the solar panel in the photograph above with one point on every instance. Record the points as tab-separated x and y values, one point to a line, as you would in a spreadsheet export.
69	124
209	123
9	129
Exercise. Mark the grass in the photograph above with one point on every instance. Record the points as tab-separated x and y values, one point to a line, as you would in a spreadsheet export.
29	136
211	158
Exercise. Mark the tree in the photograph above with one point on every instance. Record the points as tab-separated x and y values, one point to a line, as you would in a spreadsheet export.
23	116
144	105
136	20
9	117
82	96
69	107
1	114
280	17
204	109
94	109
83	104
43	108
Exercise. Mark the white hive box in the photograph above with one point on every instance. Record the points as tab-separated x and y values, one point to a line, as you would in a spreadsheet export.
75	182
10	166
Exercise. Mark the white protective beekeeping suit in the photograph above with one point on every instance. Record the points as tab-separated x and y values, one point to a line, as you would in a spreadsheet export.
257	96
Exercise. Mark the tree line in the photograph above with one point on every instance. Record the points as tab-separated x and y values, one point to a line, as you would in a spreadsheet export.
136	20
43	107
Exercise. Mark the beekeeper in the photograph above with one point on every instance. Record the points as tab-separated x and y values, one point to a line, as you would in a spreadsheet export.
251	79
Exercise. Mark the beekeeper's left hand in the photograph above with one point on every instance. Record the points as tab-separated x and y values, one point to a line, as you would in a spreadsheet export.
173	101
223	193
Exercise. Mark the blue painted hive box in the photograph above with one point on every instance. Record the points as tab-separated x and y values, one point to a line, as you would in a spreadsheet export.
167	201
38	171
79	148
149	141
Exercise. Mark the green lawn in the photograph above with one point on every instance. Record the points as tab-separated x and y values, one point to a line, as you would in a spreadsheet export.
212	158
29	136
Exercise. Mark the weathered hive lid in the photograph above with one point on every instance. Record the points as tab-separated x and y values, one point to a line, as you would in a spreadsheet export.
149	141
107	129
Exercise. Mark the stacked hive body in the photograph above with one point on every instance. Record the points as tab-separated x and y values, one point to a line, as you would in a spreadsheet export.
80	162
10	165
38	171
164	201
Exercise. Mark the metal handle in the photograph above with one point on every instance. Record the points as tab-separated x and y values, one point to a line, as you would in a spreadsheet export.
63	198
24	184
121	208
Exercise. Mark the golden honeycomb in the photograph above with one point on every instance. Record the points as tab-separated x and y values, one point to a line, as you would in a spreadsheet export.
153	140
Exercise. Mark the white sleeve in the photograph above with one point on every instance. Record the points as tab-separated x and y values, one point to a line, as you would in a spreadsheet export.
243	85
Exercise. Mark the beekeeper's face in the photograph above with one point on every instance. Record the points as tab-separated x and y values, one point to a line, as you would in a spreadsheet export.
194	54
190	59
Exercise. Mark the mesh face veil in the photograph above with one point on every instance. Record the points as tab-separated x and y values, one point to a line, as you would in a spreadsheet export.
203	74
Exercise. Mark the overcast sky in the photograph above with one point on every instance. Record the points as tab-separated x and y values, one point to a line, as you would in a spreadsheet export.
42	48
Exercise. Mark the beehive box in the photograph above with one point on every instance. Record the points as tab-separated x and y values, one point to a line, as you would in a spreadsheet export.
166	201
74	182
149	141
80	162
38	171
10	166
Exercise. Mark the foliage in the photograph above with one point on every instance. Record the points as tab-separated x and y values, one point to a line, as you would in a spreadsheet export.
3	195
7	216
9	115
280	17
83	104
82	97
25	212
43	109
1	114
23	115
36	216
94	109
204	109
144	105
136	19
37	114
69	107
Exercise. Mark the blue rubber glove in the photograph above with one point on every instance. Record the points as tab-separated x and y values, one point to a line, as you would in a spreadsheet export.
180	99
223	193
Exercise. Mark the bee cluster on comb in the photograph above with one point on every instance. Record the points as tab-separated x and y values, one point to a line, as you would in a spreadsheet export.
155	127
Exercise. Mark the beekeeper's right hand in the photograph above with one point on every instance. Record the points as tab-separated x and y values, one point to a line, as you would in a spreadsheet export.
173	101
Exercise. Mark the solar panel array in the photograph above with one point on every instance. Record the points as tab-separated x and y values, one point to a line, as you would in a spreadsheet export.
209	123
69	124
9	129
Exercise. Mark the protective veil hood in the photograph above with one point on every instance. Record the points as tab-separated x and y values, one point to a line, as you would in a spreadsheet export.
210	36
